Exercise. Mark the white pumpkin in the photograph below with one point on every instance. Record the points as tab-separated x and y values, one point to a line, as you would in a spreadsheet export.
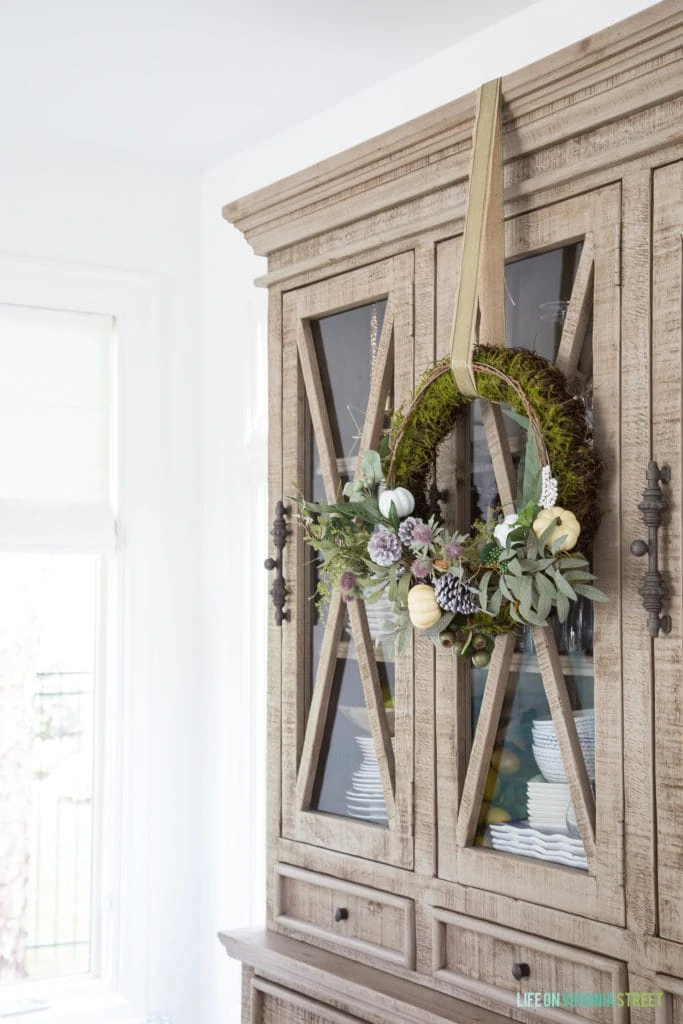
402	500
423	608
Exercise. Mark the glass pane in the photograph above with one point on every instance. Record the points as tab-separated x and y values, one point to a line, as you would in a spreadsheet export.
527	809
346	347
537	296
48	616
347	780
538	289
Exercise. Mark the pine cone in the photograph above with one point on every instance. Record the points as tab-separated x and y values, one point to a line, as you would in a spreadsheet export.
454	596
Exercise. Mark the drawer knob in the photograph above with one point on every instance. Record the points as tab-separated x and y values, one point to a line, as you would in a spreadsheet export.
341	914
520	971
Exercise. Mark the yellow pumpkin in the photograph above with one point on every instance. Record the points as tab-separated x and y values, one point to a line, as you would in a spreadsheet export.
422	606
568	526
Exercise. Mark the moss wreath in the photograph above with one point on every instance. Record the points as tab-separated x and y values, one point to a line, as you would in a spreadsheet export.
464	589
529	384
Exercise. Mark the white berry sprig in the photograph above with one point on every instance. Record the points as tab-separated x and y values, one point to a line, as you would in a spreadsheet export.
548	488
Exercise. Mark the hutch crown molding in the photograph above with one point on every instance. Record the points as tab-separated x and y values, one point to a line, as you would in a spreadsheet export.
385	898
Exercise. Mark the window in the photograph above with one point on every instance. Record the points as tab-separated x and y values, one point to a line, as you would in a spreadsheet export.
80	457
57	535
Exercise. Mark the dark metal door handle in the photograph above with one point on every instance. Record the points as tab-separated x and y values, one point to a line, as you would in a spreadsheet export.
341	914
652	590
279	589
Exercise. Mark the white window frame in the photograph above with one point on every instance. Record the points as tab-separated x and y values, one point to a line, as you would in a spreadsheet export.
121	914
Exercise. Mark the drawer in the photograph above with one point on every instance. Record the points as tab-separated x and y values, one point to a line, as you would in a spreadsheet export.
273	1004
344	915
669	1008
556	982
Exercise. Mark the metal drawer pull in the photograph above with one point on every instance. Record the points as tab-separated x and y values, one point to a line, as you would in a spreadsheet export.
520	971
341	914
279	588
652	590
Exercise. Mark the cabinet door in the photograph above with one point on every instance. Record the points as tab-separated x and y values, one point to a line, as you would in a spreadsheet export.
346	704
667	290
523	809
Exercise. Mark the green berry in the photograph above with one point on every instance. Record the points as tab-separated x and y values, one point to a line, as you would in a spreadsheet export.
447	638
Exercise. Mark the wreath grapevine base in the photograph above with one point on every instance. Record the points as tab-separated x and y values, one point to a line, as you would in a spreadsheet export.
462	589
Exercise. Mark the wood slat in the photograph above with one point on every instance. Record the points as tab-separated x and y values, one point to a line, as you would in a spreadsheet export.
380	383
565	728
484	738
667	448
317	404
320	704
374	702
501	457
578	312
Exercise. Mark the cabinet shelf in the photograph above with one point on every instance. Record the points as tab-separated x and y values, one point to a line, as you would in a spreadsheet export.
572	664
347	649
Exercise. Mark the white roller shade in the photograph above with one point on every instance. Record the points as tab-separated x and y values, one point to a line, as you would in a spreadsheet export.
55	385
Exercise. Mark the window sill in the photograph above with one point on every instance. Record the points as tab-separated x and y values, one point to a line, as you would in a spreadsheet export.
86	1003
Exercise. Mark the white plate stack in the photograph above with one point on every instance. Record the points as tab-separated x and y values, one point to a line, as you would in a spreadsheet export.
521	838
546	748
548	804
365	799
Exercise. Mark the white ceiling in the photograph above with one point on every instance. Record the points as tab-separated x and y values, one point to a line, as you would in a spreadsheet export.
189	82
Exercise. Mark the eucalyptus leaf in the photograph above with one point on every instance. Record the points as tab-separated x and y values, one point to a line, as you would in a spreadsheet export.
544	605
526	591
544	539
558	542
546	587
562	605
563	586
495	602
514	615
503	584
514	567
372	468
403	588
576	575
352	489
591	592
483	590
574	562
438	627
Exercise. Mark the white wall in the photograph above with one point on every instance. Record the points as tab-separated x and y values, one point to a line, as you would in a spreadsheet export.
234	313
96	215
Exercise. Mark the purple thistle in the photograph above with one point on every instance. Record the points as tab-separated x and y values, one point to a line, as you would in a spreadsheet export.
453	550
384	547
405	530
422	534
347	580
421	568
